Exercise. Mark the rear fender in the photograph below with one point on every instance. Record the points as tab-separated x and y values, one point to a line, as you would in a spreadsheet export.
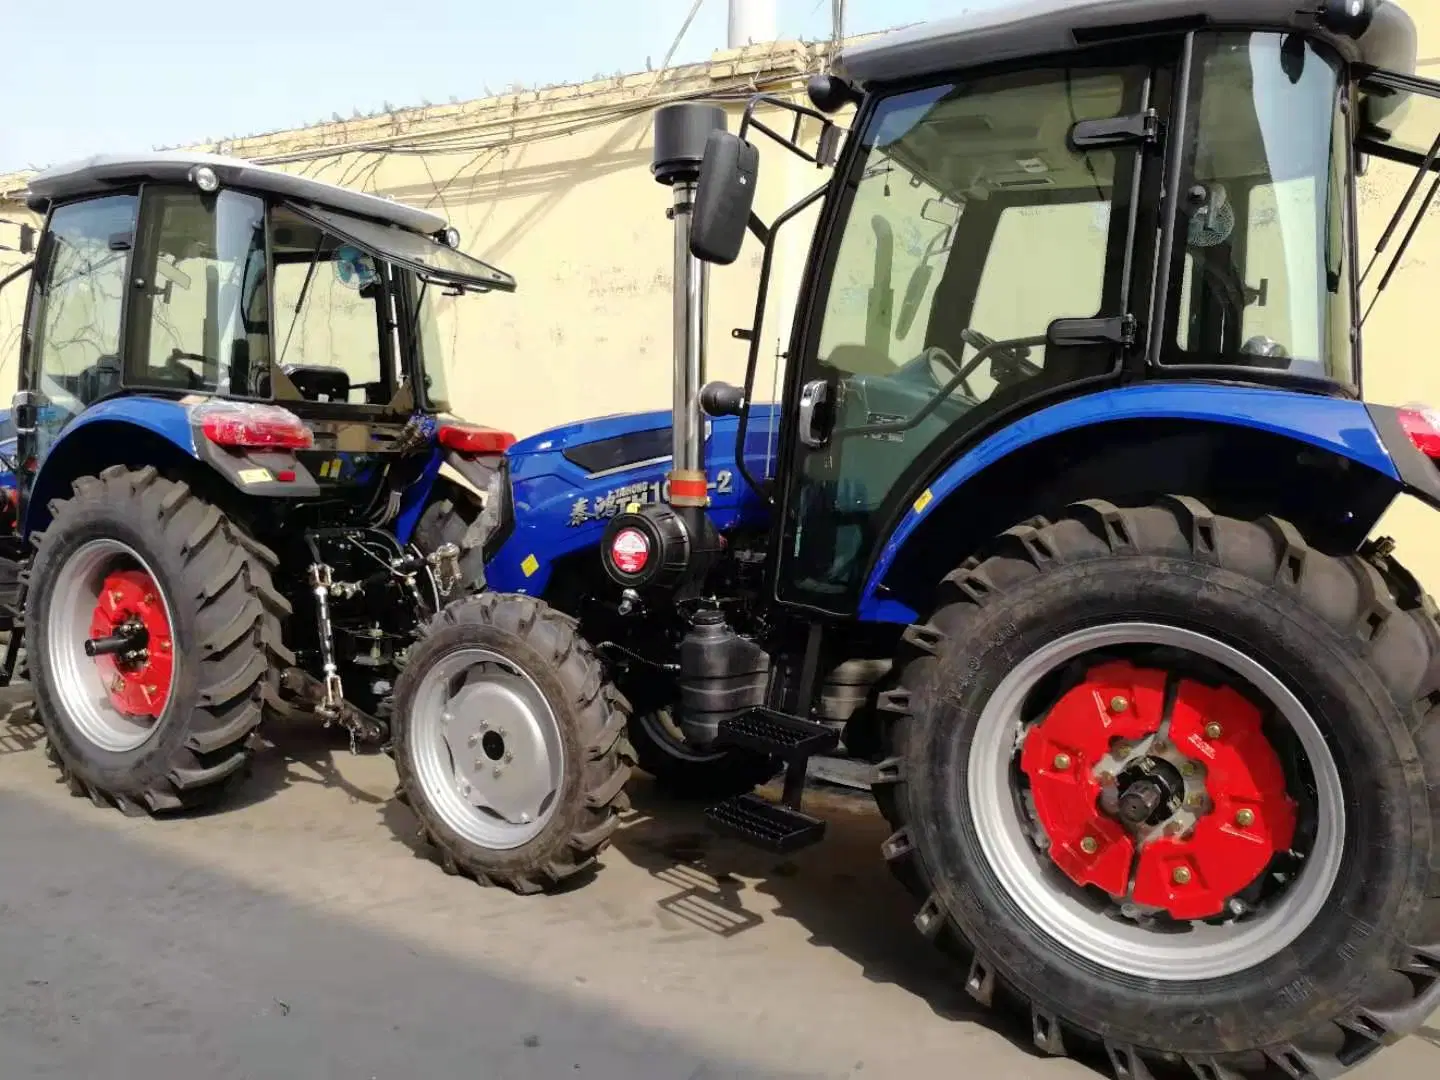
1116	444
118	431
136	431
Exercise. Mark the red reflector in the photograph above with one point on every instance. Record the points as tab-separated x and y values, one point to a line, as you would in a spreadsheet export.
630	551
253	427
285	476
469	439
1422	424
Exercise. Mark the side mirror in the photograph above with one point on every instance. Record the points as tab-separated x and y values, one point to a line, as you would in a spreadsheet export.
723	198
27	239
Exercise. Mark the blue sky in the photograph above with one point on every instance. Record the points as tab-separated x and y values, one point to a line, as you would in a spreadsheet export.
84	76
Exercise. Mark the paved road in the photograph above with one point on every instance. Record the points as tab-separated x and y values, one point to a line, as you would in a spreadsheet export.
298	935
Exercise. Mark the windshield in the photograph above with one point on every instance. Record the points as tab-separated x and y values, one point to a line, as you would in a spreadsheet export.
1264	276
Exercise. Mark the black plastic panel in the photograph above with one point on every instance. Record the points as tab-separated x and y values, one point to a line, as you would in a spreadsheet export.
629	449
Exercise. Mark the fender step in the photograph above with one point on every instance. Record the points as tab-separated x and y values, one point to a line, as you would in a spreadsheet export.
776	734
766	825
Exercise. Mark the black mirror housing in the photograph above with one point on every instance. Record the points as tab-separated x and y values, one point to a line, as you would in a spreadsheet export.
724	197
1349	17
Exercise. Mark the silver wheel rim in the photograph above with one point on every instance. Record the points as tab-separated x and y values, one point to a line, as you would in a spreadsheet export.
1061	910
84	698
486	747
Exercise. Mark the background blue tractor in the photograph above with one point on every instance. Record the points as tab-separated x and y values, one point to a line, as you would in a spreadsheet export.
1060	536
223	470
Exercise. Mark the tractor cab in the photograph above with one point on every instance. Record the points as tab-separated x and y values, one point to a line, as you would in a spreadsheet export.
1043	207
292	322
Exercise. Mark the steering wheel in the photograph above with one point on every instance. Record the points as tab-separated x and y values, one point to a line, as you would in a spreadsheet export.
934	355
1010	354
193	379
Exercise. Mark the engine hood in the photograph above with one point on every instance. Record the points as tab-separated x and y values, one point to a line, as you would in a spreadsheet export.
591	430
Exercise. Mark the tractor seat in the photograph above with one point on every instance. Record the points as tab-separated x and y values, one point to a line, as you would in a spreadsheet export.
318	383
101	378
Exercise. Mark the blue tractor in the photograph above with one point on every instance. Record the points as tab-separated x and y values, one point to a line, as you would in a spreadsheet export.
224	483
1060	534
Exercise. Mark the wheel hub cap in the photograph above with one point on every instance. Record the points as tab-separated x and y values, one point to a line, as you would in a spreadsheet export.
1167	810
138	679
502	761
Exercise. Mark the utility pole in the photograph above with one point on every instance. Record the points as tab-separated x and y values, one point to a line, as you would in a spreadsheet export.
751	22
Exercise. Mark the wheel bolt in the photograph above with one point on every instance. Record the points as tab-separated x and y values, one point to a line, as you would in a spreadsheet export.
1245	818
1181	875
1119	703
509	757
497	771
1089	845
1213	730
472	740
1122	749
1189	768
1062	762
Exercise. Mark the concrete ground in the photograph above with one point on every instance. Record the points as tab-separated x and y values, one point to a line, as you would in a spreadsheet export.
297	934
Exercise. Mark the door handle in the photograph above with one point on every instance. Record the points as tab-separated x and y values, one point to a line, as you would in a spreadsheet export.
813	397
23	409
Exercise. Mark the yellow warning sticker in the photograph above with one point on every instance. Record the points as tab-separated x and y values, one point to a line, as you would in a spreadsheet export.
924	500
529	564
255	476
331	469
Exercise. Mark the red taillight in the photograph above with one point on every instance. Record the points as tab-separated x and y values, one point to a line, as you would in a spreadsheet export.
1422	424
253	427
468	439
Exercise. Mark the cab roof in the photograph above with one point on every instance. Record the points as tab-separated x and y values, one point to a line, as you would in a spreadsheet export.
106	172
1046	27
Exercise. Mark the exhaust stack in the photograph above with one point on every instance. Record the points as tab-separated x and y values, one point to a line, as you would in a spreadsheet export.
680	134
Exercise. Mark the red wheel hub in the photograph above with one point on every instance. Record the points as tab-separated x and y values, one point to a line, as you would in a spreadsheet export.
138	682
1177	820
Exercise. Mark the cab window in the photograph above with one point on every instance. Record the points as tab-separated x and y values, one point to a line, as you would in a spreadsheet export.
199	313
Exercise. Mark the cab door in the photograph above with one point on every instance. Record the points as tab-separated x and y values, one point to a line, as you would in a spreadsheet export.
71	345
974	216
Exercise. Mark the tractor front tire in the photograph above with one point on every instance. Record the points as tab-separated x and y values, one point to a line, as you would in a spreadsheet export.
510	743
166	725
1331	949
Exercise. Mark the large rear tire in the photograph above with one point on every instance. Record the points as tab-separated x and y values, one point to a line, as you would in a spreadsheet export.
1318	960
166	726
446	521
510	743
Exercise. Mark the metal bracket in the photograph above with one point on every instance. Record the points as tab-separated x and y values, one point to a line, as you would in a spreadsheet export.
1065	333
1116	131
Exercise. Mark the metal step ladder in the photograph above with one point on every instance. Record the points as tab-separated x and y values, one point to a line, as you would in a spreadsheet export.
778	827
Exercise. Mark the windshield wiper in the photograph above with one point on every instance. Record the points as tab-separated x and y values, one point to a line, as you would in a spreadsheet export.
1394	224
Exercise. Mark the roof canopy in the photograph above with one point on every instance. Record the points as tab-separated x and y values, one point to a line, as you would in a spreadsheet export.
104	172
1045	27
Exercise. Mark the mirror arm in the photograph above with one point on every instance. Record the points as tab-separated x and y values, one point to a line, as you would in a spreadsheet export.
748	120
24	268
